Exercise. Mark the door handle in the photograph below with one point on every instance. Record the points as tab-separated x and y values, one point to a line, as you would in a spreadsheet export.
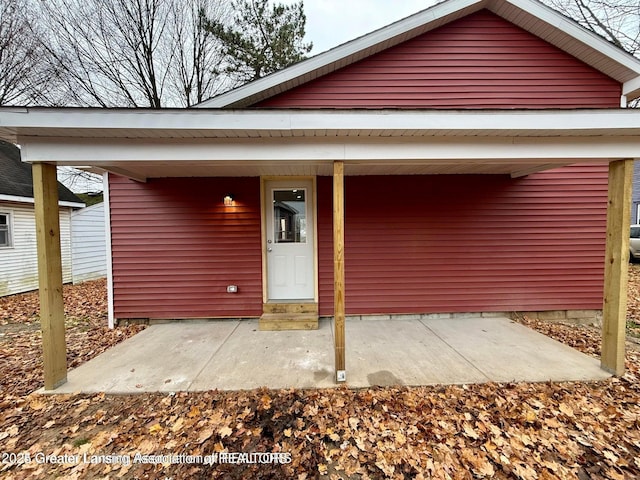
269	249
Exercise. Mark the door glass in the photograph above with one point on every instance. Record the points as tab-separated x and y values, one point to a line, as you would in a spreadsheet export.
289	216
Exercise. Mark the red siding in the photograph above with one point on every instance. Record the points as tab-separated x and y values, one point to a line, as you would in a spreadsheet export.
480	61
469	243
176	247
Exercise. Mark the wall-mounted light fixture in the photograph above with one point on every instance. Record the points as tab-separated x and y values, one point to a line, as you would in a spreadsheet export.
228	200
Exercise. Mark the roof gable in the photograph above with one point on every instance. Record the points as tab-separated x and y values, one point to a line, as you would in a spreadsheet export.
530	15
16	179
479	61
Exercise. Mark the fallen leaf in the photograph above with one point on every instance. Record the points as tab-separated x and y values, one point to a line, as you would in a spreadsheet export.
204	435
353	422
566	409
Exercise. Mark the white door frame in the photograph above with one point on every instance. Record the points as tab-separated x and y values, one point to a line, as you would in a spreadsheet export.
266	203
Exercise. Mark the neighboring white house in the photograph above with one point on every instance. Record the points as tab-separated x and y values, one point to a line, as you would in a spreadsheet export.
18	256
88	245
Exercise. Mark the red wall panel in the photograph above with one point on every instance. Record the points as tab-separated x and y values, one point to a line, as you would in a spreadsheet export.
414	244
480	61
176	247
468	243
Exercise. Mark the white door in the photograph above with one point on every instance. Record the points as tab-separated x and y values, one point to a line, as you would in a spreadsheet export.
290	240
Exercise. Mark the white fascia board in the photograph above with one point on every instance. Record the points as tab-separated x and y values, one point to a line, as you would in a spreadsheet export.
70	123
141	157
31	201
475	122
631	89
62	203
126	173
422	19
132	119
575	30
341	52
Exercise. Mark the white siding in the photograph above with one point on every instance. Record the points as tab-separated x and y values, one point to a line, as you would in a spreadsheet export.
19	263
88	243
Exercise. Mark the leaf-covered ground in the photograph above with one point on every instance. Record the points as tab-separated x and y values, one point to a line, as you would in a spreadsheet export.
87	334
633	310
576	430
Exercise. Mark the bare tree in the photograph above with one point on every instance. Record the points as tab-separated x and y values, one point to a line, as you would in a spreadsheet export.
22	76
133	53
618	21
80	181
109	51
193	79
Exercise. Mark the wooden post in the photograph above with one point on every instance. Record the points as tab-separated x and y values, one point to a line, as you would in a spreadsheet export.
614	309
45	193
338	268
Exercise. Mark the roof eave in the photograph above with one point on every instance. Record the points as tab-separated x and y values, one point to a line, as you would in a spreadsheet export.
627	67
31	201
631	89
343	55
230	124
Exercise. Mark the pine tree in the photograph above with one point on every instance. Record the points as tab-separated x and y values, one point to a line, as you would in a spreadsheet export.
260	39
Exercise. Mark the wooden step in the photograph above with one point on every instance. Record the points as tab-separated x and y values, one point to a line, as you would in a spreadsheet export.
290	307
288	321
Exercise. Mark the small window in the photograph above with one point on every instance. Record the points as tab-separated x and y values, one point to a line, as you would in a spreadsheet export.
635	232
5	230
290	216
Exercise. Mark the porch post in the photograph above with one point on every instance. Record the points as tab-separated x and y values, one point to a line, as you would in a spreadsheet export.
45	193
338	268
614	309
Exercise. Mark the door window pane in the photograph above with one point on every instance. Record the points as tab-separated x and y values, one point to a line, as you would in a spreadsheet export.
290	216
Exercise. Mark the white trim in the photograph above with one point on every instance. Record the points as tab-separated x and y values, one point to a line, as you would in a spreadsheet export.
107	233
230	124
126	173
142	156
344	54
576	31
30	200
11	230
535	169
631	88
408	28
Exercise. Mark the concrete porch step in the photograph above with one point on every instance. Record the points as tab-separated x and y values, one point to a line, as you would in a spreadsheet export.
288	321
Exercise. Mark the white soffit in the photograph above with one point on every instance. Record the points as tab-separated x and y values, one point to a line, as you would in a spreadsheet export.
531	15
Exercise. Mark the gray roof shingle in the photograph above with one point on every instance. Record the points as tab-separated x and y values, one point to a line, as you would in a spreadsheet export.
16	178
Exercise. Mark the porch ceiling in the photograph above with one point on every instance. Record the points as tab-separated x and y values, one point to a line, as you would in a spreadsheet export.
142	171
144	143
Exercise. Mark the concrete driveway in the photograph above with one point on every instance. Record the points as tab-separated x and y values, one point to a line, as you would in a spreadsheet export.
234	355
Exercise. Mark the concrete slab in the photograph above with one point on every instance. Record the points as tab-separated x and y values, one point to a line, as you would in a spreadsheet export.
506	351
234	355
251	358
161	358
402	352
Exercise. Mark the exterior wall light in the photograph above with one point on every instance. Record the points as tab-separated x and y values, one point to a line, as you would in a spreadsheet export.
228	201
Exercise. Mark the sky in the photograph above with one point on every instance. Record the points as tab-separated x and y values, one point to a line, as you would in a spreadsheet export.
333	22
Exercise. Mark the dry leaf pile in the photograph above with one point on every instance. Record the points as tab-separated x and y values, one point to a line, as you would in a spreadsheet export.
87	334
575	430
633	300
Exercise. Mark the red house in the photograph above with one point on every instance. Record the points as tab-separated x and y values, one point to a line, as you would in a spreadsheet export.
455	161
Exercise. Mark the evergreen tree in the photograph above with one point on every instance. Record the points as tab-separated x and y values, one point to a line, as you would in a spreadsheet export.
260	39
